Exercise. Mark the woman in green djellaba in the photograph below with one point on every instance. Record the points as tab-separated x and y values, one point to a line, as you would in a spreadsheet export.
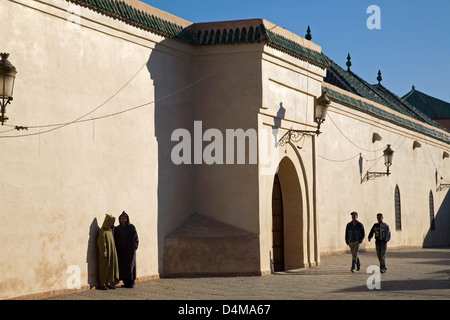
108	266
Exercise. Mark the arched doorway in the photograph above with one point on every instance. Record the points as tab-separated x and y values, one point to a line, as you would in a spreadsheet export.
287	218
277	227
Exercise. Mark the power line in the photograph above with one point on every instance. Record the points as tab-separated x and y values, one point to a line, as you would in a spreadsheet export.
80	119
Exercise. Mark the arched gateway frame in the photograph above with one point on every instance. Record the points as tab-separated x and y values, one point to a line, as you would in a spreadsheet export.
290	219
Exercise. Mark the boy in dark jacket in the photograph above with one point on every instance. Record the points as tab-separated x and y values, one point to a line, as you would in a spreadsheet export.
382	237
354	236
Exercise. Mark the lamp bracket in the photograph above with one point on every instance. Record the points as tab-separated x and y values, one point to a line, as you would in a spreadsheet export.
443	186
296	136
3	103
374	175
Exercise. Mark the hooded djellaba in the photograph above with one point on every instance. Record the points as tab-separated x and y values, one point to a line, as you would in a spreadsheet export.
127	242
108	266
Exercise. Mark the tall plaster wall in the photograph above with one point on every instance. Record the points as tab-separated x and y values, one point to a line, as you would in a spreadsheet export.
228	102
59	181
290	87
344	155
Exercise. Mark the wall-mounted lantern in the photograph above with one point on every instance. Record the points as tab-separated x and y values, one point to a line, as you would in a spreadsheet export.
320	111
388	155
7	77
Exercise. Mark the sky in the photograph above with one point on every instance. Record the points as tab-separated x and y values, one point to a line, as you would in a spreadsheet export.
408	41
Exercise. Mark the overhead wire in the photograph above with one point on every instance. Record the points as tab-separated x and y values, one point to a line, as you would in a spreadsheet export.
345	136
357	146
80	119
61	125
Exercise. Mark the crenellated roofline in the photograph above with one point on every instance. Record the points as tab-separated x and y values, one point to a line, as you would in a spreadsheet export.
145	17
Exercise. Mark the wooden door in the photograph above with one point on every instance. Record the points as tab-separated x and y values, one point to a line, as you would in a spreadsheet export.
277	227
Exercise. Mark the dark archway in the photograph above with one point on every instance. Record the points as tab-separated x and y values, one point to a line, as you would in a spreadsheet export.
277	226
291	218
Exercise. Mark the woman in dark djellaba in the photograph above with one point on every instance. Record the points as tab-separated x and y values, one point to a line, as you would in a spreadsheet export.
127	242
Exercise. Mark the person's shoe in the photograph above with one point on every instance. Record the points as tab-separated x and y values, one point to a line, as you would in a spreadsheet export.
352	270
111	286
102	288
358	268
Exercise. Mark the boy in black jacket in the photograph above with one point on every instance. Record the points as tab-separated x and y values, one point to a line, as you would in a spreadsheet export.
354	236
382	236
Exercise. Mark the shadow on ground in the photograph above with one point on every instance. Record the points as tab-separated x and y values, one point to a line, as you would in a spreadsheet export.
403	285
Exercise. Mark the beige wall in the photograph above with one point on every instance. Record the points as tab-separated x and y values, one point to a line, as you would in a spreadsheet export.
228	100
290	87
58	182
341	168
56	186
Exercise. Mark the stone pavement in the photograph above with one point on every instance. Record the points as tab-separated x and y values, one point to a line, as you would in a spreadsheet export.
413	274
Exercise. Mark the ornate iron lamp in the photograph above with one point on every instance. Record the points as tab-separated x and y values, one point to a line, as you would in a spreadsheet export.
7	77
320	112
388	154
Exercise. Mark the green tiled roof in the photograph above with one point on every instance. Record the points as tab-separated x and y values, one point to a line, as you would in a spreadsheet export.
120	10
385	115
432	107
293	48
349	81
259	33
346	80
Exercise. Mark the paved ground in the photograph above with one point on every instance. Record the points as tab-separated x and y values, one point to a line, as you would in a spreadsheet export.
412	274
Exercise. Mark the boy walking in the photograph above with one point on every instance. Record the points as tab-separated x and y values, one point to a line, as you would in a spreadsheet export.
354	236
382	237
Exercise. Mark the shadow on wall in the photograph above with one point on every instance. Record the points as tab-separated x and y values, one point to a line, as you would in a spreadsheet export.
173	109
91	255
440	236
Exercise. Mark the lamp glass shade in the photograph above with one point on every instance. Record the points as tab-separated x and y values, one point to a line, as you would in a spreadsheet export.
321	107
6	86
320	112
388	154
7	76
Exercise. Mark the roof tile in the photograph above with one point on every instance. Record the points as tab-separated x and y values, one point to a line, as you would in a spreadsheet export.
432	107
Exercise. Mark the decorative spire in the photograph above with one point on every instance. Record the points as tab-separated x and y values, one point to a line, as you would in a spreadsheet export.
379	78
308	34
349	63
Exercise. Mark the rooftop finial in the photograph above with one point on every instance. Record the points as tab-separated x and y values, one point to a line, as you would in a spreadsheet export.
379	78
308	34
349	63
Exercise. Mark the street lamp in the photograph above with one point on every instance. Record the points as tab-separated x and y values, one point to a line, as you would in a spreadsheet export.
7	77
320	112
388	154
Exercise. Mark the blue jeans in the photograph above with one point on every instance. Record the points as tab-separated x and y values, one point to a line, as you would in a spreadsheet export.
381	254
354	247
